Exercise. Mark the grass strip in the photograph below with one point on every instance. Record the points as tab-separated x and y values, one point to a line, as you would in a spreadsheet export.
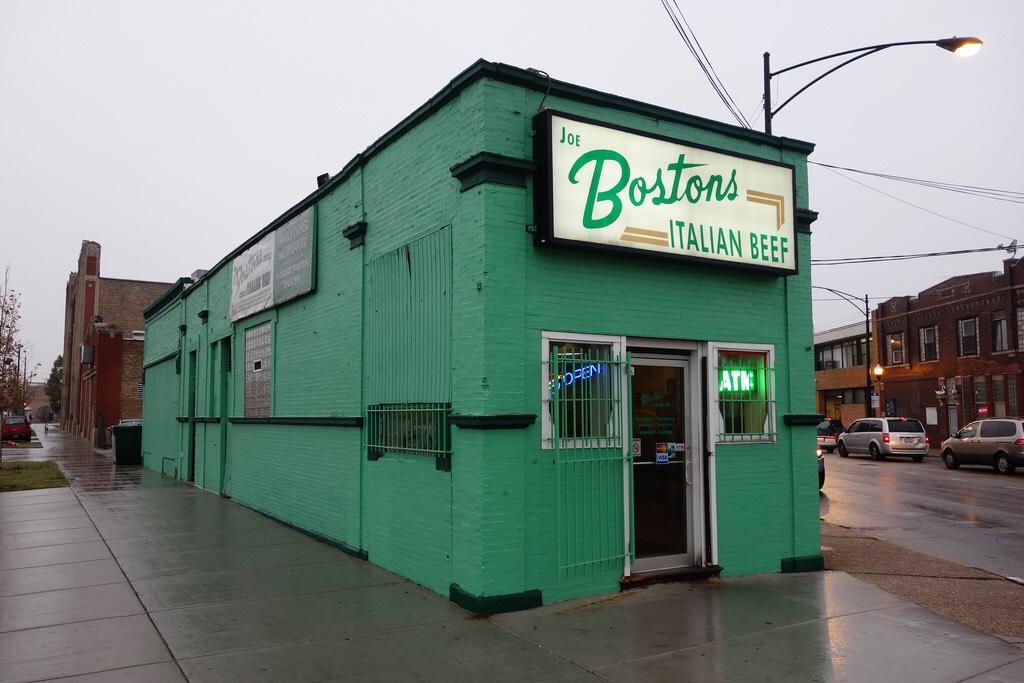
28	475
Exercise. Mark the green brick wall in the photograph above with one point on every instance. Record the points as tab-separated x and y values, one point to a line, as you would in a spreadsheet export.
489	525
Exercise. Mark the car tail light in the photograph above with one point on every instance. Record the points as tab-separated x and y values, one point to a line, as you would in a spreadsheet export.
885	438
1019	442
926	440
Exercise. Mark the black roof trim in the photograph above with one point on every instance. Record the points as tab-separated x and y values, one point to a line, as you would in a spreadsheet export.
166	298
516	76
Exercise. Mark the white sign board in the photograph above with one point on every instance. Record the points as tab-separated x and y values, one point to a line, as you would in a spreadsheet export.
876	401
931	416
606	188
276	269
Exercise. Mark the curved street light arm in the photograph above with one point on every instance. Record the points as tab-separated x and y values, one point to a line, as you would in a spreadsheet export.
869	48
835	68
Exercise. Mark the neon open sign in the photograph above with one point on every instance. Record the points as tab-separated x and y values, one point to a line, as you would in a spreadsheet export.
736	380
577	375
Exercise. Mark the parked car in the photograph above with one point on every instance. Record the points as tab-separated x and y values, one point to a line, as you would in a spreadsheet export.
821	469
996	442
829	430
16	427
883	436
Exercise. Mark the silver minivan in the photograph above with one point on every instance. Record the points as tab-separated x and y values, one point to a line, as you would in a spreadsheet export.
995	442
883	436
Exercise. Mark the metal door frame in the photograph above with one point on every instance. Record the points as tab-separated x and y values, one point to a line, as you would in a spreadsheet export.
694	505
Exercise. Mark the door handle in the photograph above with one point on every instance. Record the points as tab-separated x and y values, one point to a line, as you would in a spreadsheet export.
687	468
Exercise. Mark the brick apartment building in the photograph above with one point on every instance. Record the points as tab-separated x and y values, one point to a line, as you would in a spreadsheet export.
953	353
103	342
840	379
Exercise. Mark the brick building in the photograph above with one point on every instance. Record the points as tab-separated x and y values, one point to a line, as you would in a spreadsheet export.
953	353
103	343
840	367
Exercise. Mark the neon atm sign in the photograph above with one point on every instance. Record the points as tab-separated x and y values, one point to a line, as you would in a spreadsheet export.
736	380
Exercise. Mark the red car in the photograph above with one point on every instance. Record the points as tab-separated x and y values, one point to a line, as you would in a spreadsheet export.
16	428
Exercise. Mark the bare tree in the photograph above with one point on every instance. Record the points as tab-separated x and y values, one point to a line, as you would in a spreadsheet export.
12	389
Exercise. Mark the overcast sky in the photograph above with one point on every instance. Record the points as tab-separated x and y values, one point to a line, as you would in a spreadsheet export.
171	132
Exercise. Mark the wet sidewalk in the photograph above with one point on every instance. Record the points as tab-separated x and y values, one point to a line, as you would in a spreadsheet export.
131	576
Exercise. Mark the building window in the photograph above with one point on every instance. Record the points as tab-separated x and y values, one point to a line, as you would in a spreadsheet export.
745	391
980	392
257	371
582	384
845	354
1020	329
929	343
1011	395
999	332
967	336
410	428
140	389
894	349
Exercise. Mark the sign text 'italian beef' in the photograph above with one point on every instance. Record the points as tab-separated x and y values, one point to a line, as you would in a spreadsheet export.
619	190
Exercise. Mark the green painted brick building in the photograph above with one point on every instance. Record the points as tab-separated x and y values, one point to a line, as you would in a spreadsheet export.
535	341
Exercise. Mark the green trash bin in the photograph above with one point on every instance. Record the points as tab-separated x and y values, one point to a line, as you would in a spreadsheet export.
127	444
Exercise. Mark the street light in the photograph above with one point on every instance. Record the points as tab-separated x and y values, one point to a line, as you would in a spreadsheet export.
964	47
850	299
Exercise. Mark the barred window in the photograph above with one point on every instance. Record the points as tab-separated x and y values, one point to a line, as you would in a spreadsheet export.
1020	329
410	428
745	390
583	395
257	371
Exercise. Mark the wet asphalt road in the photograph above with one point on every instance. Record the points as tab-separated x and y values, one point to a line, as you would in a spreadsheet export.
972	515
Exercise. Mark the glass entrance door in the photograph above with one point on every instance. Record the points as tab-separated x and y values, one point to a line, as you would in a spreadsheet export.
662	464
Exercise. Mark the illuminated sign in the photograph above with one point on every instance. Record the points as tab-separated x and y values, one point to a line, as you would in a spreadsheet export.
736	380
583	372
607	188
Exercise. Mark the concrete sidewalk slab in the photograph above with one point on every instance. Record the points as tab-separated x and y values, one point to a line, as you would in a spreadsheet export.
79	648
197	585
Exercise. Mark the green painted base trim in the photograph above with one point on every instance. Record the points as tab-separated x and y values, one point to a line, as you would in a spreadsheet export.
352	421
488	167
807	563
495	421
334	543
494	604
802	420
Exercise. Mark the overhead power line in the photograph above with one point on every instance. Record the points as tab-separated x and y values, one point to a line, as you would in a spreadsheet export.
690	39
918	206
1010	248
1012	196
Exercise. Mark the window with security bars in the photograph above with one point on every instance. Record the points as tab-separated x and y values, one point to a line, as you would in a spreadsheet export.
410	428
745	382
583	396
257	371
